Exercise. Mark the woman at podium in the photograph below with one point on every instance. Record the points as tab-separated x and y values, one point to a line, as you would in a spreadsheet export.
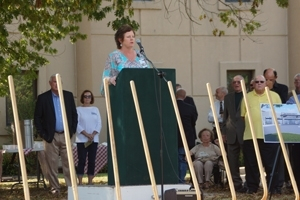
124	56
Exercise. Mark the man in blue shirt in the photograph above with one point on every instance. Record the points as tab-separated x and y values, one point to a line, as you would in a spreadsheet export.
292	99
295	148
49	125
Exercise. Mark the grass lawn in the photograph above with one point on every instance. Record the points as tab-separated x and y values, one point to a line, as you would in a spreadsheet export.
40	193
213	193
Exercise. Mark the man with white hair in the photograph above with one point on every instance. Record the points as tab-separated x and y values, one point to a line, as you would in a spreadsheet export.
296	84
49	125
267	150
233	131
219	105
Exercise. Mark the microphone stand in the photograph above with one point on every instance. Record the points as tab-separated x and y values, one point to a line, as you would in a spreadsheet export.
160	74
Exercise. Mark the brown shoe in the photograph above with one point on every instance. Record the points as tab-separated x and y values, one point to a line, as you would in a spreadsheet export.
200	185
206	185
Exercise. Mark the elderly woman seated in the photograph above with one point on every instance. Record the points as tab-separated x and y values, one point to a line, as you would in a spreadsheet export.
206	156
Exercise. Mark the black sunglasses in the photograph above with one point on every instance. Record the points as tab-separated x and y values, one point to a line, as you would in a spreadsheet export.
259	81
87	96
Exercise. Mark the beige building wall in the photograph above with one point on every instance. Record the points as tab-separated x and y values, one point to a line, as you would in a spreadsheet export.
172	41
294	41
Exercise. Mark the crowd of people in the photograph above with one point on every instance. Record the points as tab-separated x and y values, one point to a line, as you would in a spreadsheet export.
85	122
234	124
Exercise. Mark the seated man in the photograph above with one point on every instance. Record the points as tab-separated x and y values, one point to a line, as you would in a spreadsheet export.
206	156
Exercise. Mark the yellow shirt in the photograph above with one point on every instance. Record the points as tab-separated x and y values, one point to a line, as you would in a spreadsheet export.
254	101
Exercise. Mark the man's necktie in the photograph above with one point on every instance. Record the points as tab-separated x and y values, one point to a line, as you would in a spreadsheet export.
221	108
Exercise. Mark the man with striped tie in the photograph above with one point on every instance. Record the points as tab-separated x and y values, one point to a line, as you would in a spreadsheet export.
221	92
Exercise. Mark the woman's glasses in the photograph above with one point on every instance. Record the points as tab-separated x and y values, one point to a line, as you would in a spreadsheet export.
87	96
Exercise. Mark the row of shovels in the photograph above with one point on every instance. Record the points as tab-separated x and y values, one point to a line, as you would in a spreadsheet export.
145	144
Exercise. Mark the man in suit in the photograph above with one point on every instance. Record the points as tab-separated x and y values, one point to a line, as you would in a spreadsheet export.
219	105
49	125
188	116
233	130
187	99
270	75
281	89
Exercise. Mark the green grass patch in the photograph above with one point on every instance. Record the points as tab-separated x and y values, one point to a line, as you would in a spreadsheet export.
287	137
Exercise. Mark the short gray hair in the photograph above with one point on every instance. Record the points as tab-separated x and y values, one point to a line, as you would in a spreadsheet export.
296	76
238	76
52	76
223	89
259	76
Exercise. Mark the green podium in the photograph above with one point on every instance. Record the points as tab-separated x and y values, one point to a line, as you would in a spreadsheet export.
132	163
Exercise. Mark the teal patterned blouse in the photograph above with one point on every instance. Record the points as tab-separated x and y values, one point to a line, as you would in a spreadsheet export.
116	61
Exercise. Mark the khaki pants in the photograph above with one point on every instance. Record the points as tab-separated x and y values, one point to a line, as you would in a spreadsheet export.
43	163
207	167
52	151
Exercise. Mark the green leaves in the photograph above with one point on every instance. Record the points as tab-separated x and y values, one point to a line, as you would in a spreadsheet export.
28	28
283	3
239	15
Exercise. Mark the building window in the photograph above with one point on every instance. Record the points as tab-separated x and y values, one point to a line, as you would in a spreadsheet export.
245	5
147	4
26	93
247	74
236	1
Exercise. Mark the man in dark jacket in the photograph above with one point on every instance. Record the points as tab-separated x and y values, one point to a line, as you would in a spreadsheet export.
233	130
188	115
270	75
49	125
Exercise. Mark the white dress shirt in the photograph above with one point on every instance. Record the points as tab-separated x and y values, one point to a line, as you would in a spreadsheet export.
210	116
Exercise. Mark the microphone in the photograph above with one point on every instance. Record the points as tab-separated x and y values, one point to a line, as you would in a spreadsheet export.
138	41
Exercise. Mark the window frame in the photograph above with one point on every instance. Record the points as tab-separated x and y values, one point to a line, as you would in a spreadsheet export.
244	6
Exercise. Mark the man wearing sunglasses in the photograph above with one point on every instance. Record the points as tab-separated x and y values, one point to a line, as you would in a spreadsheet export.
267	150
